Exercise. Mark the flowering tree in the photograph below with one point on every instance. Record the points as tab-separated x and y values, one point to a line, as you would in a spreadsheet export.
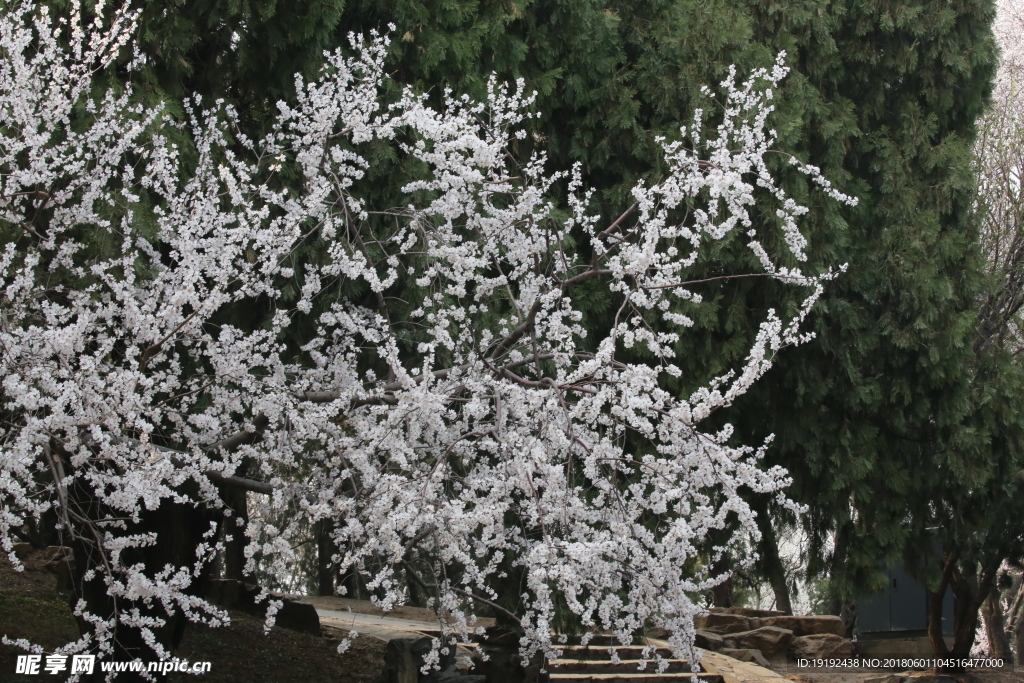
999	164
477	434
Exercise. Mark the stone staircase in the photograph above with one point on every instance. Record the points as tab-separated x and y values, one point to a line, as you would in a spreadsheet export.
593	664
578	663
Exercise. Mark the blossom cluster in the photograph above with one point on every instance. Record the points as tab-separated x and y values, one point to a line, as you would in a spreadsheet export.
489	429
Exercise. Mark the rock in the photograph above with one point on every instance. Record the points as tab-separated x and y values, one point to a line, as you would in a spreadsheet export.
808	626
405	656
770	640
657	633
747	612
724	623
442	676
298	616
464	662
821	645
399	662
58	552
60	561
22	550
709	640
890	678
752	656
447	655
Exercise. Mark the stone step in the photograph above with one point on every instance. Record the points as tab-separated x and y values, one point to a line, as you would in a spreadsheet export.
639	677
634	652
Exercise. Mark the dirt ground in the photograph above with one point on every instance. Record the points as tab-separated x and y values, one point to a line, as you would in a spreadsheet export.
36	581
242	653
31	608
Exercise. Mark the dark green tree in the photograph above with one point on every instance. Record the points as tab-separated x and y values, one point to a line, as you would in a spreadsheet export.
893	91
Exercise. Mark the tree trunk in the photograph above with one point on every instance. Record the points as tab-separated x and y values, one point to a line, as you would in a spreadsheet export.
781	590
179	528
1016	599
770	563
351	583
992	613
324	550
837	572
970	590
848	613
935	637
1018	637
935	599
1016	617
722	593
969	593
416	596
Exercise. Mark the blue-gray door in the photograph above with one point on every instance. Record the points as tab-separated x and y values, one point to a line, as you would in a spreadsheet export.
902	607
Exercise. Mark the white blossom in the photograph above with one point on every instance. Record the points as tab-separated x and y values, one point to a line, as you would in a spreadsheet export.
120	373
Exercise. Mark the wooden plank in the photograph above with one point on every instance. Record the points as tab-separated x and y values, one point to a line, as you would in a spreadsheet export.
607	666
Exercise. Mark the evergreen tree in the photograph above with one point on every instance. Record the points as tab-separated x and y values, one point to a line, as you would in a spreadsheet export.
244	51
894	91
